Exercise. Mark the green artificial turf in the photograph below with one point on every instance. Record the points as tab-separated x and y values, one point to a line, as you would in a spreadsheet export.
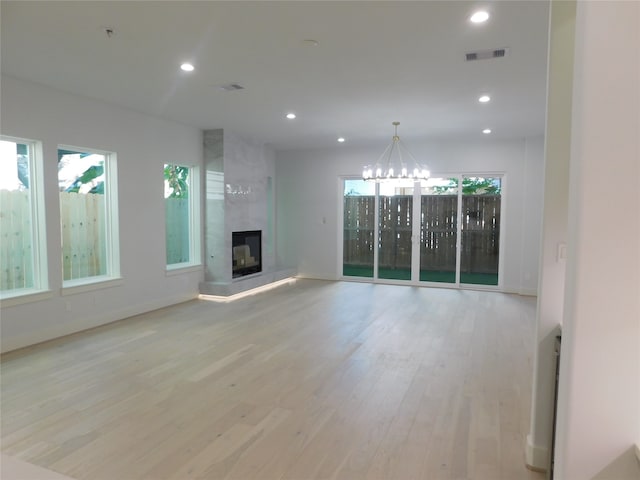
425	275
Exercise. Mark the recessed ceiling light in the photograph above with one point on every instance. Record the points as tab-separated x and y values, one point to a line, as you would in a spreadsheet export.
479	17
341	139
187	67
484	99
291	116
486	131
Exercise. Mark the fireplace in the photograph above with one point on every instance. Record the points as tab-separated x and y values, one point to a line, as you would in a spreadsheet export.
246	253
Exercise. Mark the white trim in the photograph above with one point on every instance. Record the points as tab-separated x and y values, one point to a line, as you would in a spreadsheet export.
12	298
340	229
503	230
376	232
38	214
458	231
112	227
38	219
195	250
536	457
182	268
89	284
195	218
416	213
111	218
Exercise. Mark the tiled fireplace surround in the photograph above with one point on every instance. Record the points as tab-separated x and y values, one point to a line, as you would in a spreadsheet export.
238	196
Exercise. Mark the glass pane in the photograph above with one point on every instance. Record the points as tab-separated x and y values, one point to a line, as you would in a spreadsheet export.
438	230
394	226
481	198
81	180
359	224
177	214
16	229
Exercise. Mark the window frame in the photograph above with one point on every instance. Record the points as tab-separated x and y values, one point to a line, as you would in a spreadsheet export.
111	227
40	288
415	282
195	256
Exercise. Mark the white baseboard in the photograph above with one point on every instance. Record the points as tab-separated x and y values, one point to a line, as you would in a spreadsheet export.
528	292
536	457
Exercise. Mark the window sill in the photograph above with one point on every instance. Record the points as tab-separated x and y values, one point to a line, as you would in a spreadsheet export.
20	297
182	268
88	285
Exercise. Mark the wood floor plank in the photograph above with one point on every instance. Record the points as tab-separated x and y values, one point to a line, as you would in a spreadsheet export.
316	379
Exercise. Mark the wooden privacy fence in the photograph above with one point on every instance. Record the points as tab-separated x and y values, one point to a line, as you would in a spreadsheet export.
83	236
16	264
438	231
82	220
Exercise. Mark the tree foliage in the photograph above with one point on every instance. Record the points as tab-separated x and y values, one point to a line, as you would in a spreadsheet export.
176	176
88	177
471	186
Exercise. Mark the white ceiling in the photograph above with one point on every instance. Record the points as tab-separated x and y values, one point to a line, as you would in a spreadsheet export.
376	62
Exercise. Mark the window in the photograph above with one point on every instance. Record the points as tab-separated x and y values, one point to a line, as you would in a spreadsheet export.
88	215
181	216
23	243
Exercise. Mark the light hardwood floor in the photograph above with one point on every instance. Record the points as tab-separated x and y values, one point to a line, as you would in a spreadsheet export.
312	380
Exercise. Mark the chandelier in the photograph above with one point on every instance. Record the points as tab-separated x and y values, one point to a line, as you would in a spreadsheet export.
395	163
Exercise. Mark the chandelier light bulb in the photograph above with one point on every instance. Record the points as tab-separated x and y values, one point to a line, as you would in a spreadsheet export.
395	163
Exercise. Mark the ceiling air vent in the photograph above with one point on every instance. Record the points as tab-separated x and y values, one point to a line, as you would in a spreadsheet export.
230	87
486	54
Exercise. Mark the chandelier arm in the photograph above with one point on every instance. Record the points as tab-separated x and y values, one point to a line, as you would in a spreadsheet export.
416	162
389	164
389	168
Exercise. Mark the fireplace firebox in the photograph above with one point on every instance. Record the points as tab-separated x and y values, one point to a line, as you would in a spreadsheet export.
246	253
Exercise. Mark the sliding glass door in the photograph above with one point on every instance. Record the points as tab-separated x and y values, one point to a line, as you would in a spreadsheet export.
395	230
442	231
439	230
480	248
358	241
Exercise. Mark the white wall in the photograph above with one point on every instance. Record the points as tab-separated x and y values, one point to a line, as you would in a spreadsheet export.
599	395
554	229
143	144
309	202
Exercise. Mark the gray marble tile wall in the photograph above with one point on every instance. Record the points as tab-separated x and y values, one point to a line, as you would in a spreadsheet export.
238	192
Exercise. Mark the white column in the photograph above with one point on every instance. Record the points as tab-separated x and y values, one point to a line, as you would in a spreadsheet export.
554	227
599	395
